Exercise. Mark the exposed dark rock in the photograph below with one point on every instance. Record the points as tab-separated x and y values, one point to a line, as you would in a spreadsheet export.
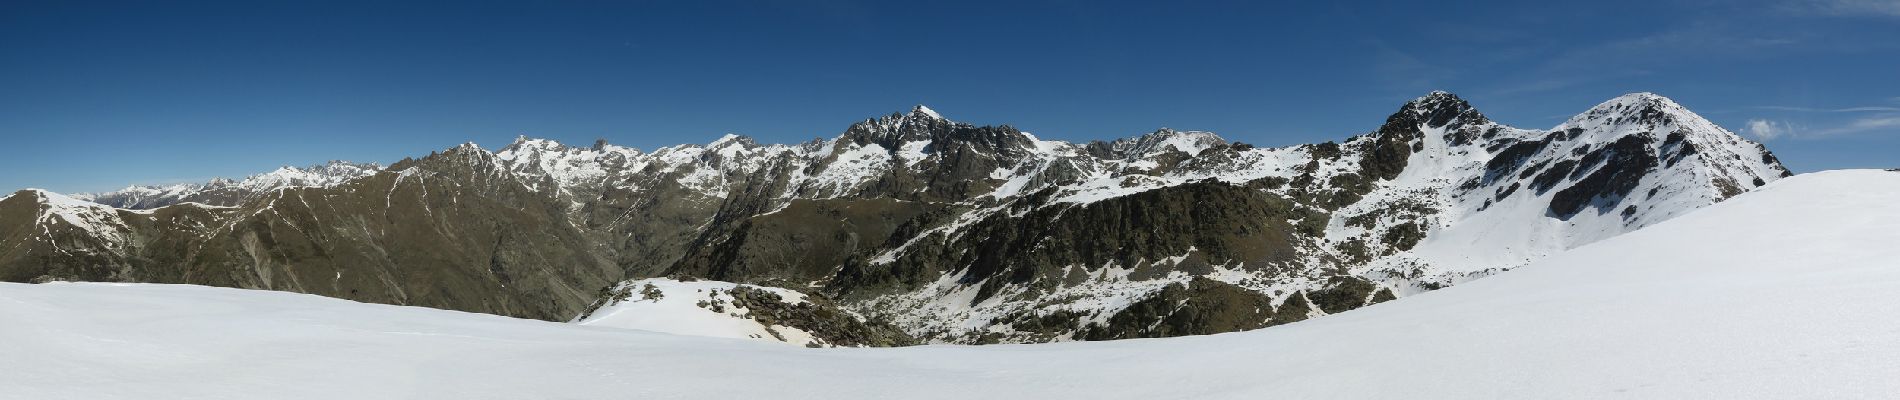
1345	293
1250	228
1384	295
1769	159
1506	192
1552	176
450	235
805	241
1385	153
1505	162
1327	151
1403	236
818	316
1203	306
1624	163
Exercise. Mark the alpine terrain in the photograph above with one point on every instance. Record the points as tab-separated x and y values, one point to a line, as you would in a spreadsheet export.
1782	292
912	228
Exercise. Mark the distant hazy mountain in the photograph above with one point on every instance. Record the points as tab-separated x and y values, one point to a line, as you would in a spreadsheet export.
226	192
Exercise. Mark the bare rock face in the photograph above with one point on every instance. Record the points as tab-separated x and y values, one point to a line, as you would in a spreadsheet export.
945	231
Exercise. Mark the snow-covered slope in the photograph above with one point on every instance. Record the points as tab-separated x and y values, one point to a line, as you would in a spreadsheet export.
1438	195
697	308
1668	160
1780	293
99	228
730	310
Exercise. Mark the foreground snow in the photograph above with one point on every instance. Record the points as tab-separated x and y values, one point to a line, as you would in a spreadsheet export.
683	308
1787	292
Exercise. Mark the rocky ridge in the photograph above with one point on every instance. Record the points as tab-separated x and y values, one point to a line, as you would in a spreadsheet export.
227	192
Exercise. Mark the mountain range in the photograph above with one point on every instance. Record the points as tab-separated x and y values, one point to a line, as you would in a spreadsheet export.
913	228
1779	293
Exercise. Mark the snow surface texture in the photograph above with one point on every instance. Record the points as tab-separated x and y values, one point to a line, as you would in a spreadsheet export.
686	308
1785	292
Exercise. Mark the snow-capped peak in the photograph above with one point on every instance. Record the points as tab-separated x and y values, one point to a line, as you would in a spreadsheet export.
523	142
1436	196
1637	108
896	128
732	145
326	174
1640	100
100	220
1644	97
921	110
1165	139
51	198
1436	95
731	139
1440	108
225	191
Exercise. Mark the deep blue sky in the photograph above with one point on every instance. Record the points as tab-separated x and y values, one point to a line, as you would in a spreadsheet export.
98	95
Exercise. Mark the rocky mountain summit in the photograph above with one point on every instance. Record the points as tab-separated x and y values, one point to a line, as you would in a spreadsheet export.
947	231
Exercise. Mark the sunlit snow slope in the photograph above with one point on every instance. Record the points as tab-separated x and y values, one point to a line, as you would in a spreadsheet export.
1784	292
688	308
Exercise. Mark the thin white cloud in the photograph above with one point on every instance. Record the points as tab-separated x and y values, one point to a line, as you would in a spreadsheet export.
1767	130
1889	122
1838	110
1847	8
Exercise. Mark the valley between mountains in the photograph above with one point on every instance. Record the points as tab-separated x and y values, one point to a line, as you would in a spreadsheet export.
912	228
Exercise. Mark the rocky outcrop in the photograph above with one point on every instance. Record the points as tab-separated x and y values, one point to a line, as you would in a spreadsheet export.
1201	306
725	309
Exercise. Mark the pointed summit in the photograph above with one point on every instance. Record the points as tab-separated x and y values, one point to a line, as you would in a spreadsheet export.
922	111
1440	108
1639	109
898	127
1636	102
1436	95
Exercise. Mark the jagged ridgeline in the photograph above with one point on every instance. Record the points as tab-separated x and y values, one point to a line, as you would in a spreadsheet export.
950	232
